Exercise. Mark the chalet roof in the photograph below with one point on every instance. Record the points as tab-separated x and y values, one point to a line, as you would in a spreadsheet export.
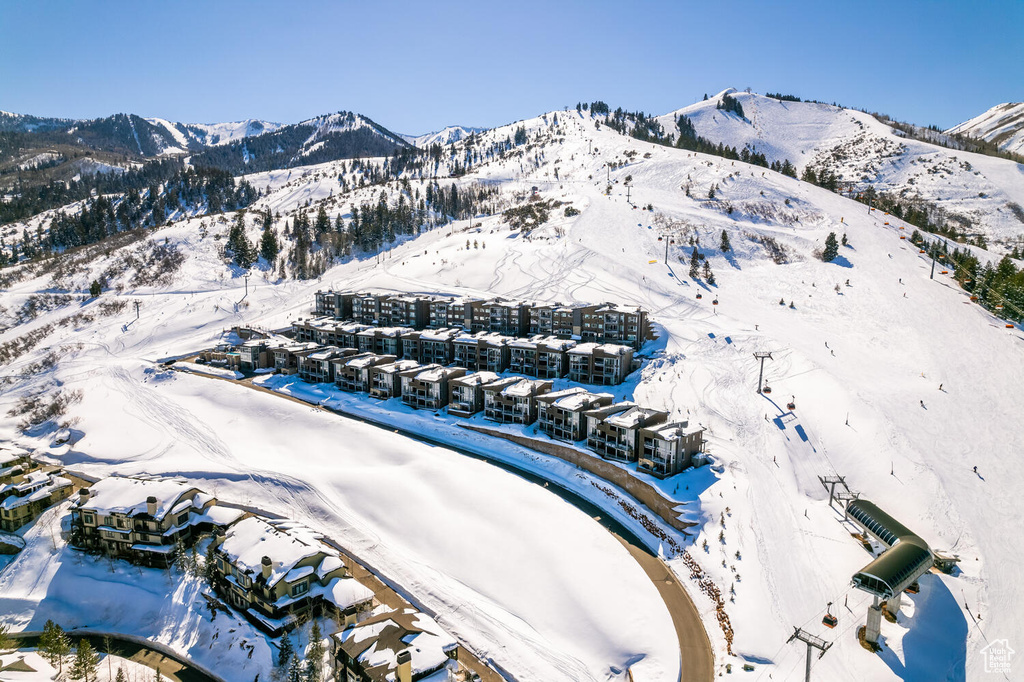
397	366
376	642
286	543
36	486
525	387
573	399
123	495
390	332
10	454
489	338
502	383
633	417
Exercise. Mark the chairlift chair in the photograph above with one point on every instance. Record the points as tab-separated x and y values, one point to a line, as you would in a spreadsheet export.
913	589
766	389
829	620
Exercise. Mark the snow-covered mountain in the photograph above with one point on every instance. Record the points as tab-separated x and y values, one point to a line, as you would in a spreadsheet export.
977	192
900	384
1002	125
442	137
194	136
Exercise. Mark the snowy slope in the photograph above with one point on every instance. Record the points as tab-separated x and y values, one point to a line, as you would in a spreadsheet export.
443	137
863	151
863	361
1002	125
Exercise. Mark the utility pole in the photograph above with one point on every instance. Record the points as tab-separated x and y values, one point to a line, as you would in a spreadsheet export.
812	642
667	242
628	188
762	357
246	278
137	304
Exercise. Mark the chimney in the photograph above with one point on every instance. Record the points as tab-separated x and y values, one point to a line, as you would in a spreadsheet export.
267	564
349	616
83	495
151	506
404	660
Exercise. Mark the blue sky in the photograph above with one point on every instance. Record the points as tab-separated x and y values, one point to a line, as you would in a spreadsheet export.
417	66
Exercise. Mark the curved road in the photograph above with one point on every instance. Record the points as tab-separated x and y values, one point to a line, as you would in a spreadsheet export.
697	660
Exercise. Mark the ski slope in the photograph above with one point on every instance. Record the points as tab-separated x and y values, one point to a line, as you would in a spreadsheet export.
863	350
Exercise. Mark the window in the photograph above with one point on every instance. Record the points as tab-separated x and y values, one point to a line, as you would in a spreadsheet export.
88	519
300	588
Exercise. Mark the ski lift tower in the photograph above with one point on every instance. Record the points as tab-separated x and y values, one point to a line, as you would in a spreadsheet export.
762	357
812	642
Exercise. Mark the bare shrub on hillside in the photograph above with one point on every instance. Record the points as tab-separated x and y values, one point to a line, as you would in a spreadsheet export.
36	410
776	251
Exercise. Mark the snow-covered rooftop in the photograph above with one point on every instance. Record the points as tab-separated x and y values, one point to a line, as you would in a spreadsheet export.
123	495
248	541
377	641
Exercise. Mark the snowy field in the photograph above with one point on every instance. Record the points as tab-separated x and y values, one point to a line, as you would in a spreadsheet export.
514	571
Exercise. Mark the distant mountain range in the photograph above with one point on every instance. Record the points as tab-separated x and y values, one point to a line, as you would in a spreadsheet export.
445	136
1002	125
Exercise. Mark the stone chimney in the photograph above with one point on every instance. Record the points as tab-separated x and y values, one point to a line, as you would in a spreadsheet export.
83	495
151	506
404	660
266	565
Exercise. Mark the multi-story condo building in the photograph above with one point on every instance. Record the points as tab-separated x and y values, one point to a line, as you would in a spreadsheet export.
605	364
287	356
385	380
318	367
482	351
510	318
405	310
336	304
560	413
466	395
426	387
381	340
544	357
615	324
556	319
666	449
513	400
366	308
614	431
353	373
450	312
430	346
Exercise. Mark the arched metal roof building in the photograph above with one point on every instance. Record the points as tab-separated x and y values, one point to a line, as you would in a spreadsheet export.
897	568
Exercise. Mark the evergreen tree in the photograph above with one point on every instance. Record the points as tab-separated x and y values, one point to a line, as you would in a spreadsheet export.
269	247
120	677
831	248
708	275
84	665
286	652
157	677
314	661
210	567
694	264
711	191
95	289
323	223
295	669
55	645
725	246
241	248
5	639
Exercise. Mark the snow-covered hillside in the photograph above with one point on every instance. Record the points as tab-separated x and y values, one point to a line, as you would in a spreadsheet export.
445	136
1002	125
863	151
900	384
188	136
